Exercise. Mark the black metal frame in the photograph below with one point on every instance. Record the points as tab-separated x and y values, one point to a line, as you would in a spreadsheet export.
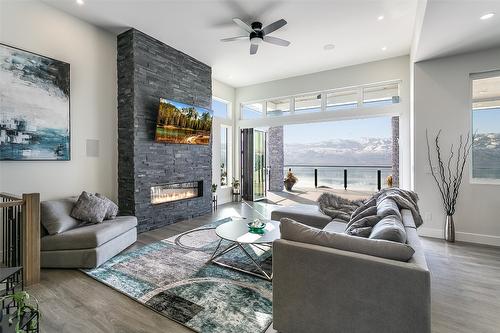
12	279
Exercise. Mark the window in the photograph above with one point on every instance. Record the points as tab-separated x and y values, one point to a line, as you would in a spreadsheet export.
251	111
381	94
278	107
342	100
308	103
225	155
486	126
220	108
369	95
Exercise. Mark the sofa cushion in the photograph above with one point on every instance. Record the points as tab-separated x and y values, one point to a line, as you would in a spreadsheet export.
112	207
90	208
90	236
298	232
388	207
335	226
390	228
55	215
307	214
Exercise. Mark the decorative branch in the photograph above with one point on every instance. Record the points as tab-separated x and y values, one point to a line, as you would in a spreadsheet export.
447	178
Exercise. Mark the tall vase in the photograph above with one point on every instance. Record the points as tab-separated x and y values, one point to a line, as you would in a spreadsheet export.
449	229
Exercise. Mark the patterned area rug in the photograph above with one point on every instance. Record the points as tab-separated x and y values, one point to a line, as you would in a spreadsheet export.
173	278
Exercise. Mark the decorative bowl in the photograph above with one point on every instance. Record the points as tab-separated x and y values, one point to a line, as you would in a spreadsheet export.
256	226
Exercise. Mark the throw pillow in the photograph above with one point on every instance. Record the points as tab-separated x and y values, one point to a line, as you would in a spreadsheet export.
56	215
386	207
112	208
298	232
90	208
390	228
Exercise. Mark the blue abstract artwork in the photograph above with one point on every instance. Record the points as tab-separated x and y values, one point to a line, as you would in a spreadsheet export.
34	106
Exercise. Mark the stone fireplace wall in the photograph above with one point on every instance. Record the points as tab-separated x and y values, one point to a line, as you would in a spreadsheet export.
147	71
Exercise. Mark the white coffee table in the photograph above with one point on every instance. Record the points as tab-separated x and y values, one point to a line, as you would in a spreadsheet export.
238	234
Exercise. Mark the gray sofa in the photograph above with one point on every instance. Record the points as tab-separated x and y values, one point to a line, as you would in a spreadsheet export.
325	289
81	246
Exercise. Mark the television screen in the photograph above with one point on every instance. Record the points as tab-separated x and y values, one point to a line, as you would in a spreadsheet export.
182	123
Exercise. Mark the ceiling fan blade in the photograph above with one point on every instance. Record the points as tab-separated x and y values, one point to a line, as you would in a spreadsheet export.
273	26
243	25
253	48
231	39
276	41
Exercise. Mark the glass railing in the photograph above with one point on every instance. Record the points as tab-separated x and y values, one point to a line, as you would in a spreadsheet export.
353	177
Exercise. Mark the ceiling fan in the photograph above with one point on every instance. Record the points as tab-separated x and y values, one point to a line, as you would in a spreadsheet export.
257	34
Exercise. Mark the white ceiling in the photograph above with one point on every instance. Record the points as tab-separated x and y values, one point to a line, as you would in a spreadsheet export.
442	27
196	26
453	27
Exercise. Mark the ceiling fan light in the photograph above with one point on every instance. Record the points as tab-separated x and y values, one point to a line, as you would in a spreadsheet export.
256	40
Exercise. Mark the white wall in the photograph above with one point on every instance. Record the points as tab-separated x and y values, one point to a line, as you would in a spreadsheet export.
91	52
227	93
442	101
378	71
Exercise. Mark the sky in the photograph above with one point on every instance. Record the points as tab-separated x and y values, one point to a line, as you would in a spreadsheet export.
180	105
379	127
486	121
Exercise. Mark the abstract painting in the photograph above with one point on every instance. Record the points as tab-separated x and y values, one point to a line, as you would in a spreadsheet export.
34	106
182	123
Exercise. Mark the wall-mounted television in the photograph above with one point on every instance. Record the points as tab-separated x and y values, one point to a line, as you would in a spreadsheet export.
182	123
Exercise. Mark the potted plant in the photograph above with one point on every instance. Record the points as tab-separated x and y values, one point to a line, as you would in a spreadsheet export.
27	315
448	176
236	185
214	190
290	180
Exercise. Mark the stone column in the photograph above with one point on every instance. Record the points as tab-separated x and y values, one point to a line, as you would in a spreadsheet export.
275	158
395	151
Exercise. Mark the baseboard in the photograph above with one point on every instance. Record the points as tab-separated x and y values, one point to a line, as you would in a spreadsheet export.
462	236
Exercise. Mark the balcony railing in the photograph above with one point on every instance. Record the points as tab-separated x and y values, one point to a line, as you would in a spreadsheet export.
359	177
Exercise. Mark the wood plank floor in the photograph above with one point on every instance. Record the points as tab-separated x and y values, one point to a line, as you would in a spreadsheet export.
465	288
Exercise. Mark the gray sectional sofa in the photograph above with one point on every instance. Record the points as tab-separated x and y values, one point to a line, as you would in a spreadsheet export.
348	283
72	244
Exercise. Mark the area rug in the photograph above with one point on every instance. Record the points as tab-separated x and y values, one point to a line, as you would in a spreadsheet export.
173	277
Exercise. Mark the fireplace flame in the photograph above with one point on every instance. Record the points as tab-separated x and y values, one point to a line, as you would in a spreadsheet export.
161	194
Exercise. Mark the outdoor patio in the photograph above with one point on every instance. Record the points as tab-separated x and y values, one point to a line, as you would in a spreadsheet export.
310	195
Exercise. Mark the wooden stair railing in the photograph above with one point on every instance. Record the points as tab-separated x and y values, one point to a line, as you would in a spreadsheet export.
20	217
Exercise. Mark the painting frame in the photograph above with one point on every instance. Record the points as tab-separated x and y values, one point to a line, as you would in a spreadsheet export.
68	142
188	134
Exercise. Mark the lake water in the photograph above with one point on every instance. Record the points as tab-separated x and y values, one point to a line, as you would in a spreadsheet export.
358	178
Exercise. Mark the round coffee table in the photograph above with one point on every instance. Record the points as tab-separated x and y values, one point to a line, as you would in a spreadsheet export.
238	234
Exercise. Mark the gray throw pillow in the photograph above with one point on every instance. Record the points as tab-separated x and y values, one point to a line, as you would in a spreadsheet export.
388	207
112	208
298	232
390	228
56	215
90	208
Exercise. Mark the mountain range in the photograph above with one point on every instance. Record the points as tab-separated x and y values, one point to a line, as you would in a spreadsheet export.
364	151
377	151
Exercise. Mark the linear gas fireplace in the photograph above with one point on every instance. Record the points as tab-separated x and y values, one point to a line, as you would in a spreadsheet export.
174	192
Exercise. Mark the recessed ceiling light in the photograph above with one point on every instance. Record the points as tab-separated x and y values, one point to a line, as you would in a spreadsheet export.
328	47
384	48
380	18
487	16
80	2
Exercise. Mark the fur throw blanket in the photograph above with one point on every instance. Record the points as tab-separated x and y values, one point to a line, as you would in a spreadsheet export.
362	215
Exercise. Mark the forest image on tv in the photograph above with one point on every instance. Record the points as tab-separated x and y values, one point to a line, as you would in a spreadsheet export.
182	123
